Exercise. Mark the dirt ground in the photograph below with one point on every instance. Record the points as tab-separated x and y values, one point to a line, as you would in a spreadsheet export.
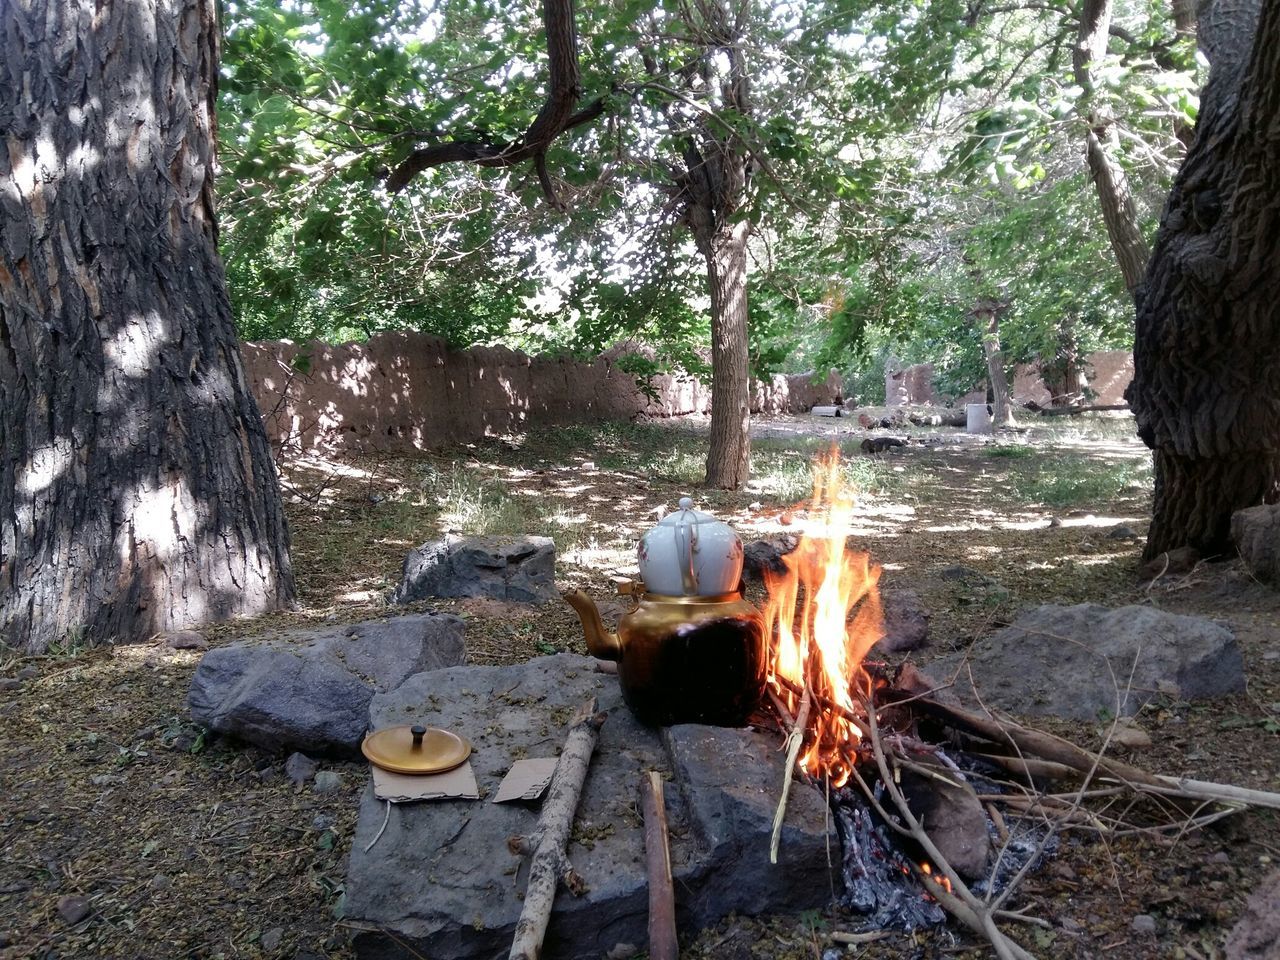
126	831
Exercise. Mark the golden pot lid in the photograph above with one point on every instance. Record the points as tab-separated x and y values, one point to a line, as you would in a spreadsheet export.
415	749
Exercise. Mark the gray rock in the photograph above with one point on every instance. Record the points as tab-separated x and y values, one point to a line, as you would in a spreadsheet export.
1256	534
309	690
906	621
1143	924
958	573
504	568
1121	533
761	555
270	941
185	640
161	882
10	683
299	768
1077	661
29	672
327	781
440	879
1256	935
72	909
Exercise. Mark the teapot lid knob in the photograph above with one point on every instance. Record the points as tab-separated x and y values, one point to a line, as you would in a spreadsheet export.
686	503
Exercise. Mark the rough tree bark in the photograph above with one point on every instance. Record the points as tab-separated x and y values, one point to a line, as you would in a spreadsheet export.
987	316
1118	210
712	192
1206	388
137	490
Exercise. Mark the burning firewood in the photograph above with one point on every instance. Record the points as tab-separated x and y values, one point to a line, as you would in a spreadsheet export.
548	864
852	726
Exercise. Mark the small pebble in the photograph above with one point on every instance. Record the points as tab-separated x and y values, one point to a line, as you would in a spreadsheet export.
299	768
1072	926
327	781
105	779
72	909
10	683
1220	857
1121	533
29	672
321	823
1143	924
161	882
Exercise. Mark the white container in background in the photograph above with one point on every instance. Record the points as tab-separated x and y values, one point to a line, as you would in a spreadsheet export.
977	418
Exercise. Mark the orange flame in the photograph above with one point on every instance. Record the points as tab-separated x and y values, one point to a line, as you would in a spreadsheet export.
807	618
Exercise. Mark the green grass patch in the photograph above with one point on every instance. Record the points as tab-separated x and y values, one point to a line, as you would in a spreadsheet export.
1012	451
1073	482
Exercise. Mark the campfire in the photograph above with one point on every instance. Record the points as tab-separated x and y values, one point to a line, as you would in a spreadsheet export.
854	729
822	617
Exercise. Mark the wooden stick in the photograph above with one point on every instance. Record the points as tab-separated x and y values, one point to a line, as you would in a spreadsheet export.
794	739
548	864
1046	746
663	944
1064	753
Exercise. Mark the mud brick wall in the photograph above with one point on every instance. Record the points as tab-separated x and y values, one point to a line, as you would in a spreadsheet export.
401	392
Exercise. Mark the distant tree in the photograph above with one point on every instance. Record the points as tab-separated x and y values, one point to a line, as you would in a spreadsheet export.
137	490
1206	388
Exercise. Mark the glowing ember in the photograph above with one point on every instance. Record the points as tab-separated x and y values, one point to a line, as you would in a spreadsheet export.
813	637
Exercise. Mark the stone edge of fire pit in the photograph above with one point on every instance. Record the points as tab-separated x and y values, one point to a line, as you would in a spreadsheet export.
440	880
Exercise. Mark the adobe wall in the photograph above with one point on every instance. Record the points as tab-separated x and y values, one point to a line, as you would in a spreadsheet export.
401	392
1107	372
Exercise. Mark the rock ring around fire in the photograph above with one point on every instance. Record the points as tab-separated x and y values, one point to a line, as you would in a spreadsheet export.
441	880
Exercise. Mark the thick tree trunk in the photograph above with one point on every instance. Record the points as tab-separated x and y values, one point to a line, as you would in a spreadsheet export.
1206	388
987	316
1119	212
137	491
729	454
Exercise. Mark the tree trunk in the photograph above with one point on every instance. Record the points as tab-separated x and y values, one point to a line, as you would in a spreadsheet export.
729	453
713	189
988	319
1206	388
1119	212
137	491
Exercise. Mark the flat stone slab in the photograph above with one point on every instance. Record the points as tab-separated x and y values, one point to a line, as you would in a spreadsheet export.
309	689
1085	660
440	880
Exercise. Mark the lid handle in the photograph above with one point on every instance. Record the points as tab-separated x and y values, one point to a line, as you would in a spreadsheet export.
686	546
418	731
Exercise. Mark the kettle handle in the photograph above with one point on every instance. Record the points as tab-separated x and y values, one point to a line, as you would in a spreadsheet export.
687	546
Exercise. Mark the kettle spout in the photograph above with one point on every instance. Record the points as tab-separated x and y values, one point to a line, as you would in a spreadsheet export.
600	643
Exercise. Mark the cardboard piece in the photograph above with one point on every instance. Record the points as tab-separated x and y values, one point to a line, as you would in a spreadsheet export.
526	780
456	784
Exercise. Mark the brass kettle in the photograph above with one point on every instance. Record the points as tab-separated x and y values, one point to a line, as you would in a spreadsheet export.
692	658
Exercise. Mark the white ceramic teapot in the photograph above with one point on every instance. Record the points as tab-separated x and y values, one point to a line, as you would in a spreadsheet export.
691	554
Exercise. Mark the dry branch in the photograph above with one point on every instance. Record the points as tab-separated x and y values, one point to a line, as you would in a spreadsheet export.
663	944
548	864
960	901
794	739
